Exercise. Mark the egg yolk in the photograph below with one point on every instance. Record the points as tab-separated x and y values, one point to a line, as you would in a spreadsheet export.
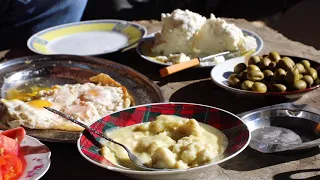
39	103
93	92
24	95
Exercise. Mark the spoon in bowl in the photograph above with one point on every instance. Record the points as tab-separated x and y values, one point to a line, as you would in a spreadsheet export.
136	161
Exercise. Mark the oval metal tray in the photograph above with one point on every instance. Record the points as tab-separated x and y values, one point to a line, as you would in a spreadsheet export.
300	118
48	70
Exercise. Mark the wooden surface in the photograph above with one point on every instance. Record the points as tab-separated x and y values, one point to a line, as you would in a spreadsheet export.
194	85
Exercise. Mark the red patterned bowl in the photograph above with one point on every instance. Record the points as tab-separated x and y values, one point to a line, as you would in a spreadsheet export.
232	126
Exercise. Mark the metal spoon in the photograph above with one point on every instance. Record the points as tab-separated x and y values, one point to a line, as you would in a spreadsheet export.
136	161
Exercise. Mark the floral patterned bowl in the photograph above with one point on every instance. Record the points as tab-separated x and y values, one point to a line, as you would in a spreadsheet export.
36	157
232	126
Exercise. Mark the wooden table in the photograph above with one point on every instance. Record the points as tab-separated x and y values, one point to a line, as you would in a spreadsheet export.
194	85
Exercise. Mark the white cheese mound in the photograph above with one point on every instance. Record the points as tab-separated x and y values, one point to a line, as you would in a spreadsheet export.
247	44
178	32
186	34
216	35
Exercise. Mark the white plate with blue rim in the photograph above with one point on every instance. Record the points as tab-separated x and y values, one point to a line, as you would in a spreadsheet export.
145	45
89	38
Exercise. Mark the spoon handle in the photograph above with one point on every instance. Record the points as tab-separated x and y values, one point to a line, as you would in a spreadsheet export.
132	157
81	124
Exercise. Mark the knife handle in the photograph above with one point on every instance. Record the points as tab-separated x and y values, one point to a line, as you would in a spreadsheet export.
179	67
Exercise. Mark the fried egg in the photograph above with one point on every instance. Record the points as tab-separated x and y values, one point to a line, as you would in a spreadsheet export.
86	102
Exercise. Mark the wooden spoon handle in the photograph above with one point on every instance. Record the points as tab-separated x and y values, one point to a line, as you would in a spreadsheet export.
179	67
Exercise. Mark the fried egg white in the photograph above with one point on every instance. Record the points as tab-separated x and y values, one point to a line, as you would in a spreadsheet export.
86	102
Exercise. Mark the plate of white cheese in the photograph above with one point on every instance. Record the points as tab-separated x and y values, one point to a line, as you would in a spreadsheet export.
186	35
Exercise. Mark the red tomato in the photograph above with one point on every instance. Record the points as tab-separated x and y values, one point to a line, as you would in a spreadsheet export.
12	168
16	133
10	146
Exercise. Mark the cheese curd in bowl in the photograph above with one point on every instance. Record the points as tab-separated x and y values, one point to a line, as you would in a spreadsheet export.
177	34
85	102
216	35
170	142
186	35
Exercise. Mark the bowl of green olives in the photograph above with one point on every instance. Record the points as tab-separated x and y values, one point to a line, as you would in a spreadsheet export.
271	74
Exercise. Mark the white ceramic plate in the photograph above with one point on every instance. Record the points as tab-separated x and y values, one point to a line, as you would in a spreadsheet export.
220	73
147	42
37	158
87	37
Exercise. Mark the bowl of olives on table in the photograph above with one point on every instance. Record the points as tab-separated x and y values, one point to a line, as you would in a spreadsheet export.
269	74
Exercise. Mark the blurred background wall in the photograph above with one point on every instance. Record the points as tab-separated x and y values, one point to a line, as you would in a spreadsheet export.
296	19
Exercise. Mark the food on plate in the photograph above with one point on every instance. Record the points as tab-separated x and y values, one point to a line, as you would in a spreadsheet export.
85	102
186	35
273	73
169	141
11	161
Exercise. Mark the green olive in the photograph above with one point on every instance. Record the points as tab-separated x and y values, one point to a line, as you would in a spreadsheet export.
246	85
292	76
254	60
273	73
317	81
259	87
305	63
252	67
285	64
272	66
234	80
300	76
308	79
267	74
243	75
264	63
255	75
279	74
300	85
289	60
239	68
274	56
301	68
312	72
278	87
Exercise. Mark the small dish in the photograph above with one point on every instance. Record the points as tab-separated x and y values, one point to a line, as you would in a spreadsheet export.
88	38
236	131
45	70
37	158
302	119
145	45
220	73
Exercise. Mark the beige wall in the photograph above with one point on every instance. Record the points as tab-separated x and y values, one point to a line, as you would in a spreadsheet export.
301	23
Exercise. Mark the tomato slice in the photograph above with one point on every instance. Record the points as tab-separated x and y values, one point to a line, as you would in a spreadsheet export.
8	145
12	168
17	133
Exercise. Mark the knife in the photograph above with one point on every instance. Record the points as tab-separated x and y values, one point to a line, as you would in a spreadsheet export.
196	61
